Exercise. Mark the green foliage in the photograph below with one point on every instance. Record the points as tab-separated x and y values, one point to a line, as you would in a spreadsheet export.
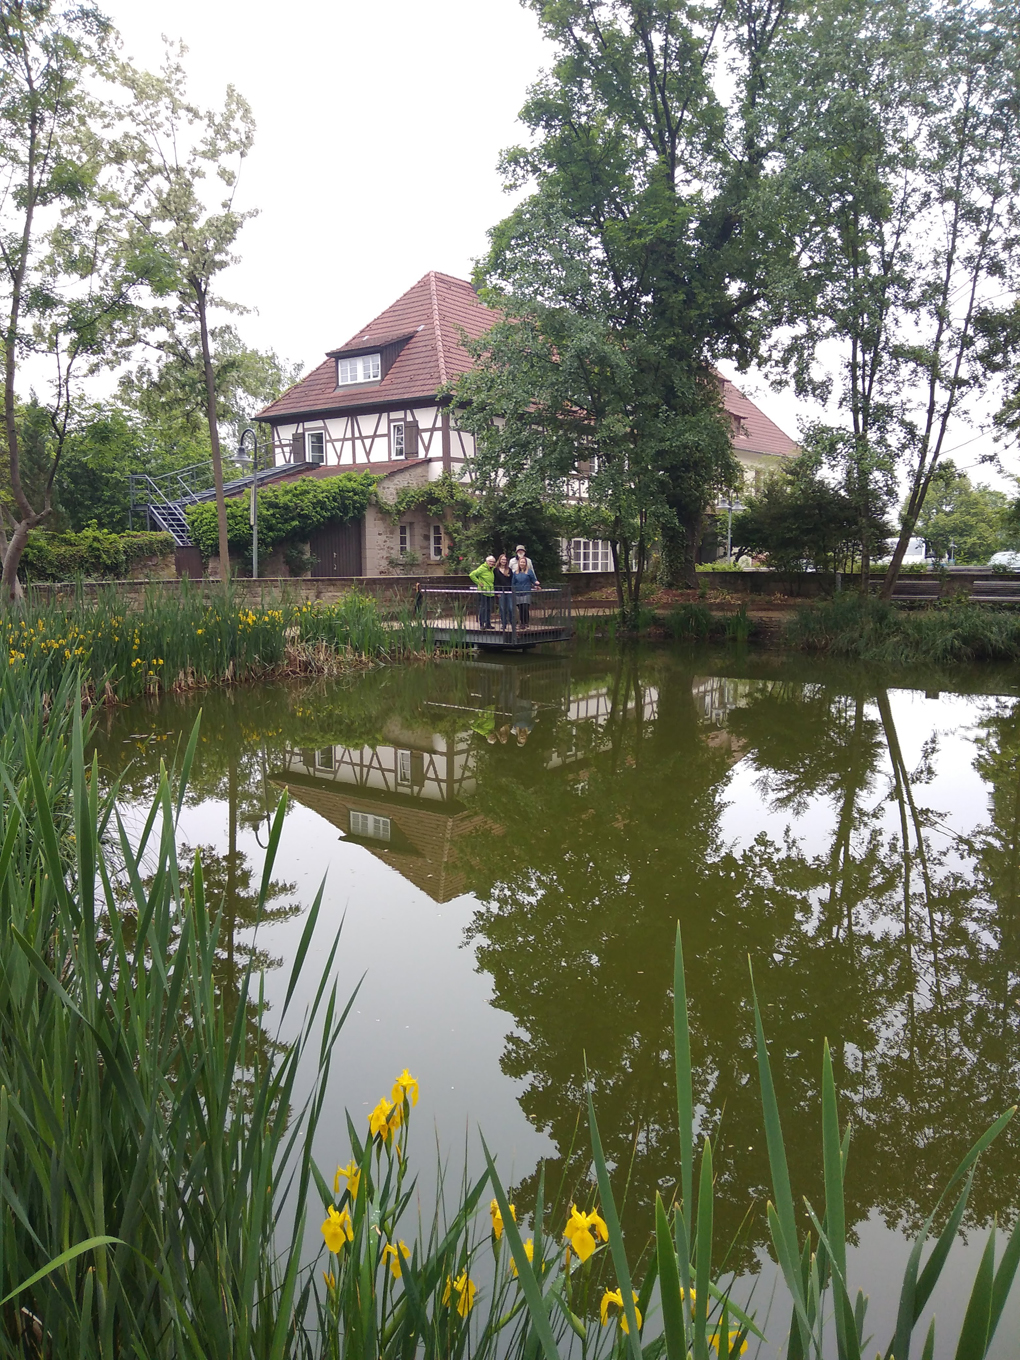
870	630
973	518
183	1187
799	516
171	390
699	1318
689	622
498	521
93	553
444	496
181	637
106	444
286	513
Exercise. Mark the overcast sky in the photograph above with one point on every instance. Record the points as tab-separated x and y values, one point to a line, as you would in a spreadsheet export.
379	128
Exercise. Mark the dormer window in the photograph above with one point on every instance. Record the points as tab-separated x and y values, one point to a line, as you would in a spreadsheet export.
364	368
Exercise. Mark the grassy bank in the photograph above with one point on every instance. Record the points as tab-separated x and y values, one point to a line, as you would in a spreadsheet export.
156	1161
187	639
869	630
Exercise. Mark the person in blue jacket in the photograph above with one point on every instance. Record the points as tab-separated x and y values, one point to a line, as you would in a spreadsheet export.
524	579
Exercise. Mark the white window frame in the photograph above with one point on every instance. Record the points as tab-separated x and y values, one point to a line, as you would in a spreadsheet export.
361	368
437	540
369	826
325	758
591	554
319	435
403	767
405	538
397	439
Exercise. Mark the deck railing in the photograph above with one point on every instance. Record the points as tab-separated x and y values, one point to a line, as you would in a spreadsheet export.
502	619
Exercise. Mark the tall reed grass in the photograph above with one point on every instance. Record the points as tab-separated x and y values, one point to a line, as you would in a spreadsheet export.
869	630
147	1144
186	639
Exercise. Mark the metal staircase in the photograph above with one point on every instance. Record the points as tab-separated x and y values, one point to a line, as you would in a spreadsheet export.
164	500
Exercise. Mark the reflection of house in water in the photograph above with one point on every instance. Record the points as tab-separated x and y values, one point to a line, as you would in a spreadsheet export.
402	802
407	799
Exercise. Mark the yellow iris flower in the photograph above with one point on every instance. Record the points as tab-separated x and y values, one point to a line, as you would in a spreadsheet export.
613	1298
330	1280
337	1230
352	1174
392	1251
405	1088
378	1120
529	1251
465	1291
714	1340
578	1232
497	1218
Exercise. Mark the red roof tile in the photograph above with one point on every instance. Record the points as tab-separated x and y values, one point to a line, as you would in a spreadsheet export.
756	433
433	312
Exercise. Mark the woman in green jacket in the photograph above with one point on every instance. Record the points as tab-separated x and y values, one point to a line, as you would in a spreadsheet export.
482	577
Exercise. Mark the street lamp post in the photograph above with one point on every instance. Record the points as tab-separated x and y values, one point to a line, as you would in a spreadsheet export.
253	510
731	505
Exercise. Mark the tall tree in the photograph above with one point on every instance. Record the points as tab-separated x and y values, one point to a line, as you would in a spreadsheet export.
910	199
69	281
175	146
642	253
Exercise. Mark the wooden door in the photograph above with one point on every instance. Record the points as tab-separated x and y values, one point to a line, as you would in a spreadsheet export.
336	549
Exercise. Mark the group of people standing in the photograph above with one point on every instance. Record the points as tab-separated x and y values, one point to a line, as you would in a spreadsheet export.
509	582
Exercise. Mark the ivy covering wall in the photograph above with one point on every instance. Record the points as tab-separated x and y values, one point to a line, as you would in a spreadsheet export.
287	513
92	552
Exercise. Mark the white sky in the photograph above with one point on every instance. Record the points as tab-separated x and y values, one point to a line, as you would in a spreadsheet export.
379	130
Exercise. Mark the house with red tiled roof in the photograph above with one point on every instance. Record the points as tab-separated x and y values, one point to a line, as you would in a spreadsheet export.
372	405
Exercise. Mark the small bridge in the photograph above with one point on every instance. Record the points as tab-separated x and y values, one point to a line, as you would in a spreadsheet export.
499	622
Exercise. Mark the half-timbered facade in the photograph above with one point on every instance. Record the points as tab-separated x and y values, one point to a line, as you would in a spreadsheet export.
374	405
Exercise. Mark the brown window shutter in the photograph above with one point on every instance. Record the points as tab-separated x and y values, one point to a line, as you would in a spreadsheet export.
410	439
297	448
584	467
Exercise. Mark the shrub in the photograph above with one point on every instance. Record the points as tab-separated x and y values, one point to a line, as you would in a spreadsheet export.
688	621
92	552
286	513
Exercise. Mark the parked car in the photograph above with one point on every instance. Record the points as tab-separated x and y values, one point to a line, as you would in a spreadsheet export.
1009	559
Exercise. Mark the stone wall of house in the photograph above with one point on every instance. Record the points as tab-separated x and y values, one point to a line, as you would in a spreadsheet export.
381	554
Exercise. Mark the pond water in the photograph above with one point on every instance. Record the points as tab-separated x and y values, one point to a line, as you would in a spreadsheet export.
510	844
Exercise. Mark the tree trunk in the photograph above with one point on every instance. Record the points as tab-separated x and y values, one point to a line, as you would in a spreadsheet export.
693	525
10	586
214	434
671	555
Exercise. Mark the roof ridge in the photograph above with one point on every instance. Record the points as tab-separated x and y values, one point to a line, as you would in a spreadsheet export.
440	352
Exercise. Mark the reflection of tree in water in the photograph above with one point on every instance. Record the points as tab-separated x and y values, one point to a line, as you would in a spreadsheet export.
876	940
232	890
606	829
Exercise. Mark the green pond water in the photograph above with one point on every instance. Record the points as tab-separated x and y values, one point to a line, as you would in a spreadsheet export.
510	844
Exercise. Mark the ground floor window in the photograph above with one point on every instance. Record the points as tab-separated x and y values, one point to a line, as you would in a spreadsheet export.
407	538
591	554
437	540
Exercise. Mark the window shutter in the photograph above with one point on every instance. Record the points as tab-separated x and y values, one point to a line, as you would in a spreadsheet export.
410	439
584	467
297	449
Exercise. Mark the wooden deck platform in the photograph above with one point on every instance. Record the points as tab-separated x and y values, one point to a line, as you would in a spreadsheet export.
468	632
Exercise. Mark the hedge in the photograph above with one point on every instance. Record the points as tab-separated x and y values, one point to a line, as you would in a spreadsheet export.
290	511
92	552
